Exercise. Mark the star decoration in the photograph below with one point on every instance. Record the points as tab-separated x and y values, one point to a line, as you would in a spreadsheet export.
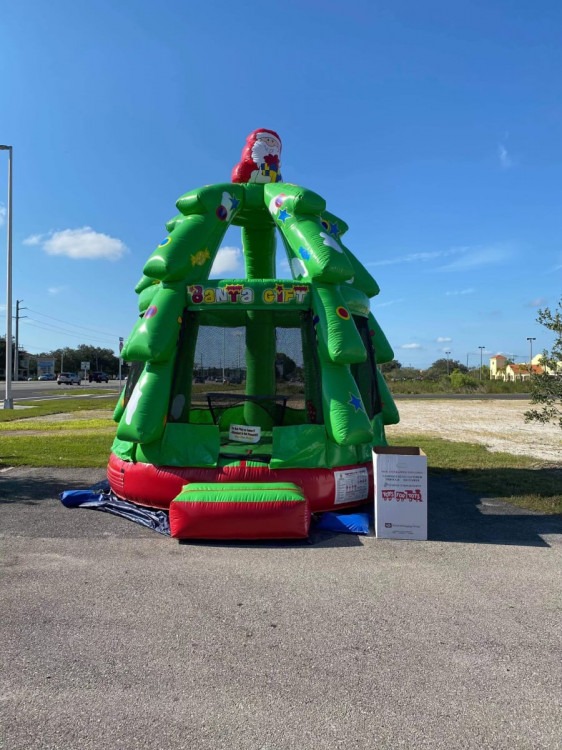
284	215
355	401
304	253
334	229
233	202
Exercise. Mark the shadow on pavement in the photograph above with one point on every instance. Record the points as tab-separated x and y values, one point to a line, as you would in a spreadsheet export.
455	513
458	515
29	486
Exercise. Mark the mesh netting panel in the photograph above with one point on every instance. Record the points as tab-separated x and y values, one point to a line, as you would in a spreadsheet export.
273	406
365	373
220	365
135	371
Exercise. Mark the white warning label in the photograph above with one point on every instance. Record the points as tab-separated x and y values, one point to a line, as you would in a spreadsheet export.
351	485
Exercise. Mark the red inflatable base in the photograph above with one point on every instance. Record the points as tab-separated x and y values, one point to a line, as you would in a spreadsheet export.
240	511
157	486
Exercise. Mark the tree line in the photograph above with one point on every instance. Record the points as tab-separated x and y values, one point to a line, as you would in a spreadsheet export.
66	359
546	389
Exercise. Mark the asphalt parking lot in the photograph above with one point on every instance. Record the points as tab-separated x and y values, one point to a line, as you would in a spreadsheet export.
116	637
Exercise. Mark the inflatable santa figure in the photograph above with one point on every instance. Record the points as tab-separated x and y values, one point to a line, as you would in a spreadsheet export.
260	158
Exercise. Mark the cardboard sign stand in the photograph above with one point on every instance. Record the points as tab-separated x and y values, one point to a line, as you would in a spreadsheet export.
400	492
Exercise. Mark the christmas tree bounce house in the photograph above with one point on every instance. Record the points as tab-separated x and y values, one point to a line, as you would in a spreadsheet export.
253	402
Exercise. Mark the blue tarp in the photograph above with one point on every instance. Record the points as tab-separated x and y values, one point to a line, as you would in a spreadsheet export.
344	523
100	497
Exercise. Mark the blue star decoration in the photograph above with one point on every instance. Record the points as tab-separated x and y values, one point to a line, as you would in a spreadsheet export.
304	253
233	202
334	229
283	215
355	401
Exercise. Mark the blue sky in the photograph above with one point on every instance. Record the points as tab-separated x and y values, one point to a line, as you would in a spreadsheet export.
433	129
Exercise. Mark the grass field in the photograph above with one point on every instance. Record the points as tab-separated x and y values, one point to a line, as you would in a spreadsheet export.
55	434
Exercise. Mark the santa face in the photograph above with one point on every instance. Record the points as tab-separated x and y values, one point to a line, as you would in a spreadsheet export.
265	145
272	143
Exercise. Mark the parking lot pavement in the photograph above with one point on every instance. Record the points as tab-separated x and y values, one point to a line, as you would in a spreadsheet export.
116	637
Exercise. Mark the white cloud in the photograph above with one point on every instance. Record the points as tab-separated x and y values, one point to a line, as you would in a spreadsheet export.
459	291
34	239
377	305
443	339
478	257
413	257
505	159
80	244
467	257
228	262
537	302
410	346
56	289
2	214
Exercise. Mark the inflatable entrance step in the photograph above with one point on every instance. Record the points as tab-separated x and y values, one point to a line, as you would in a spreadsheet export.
239	510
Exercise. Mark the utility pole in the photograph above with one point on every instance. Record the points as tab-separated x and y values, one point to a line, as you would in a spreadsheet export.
447	353
17	348
120	359
481	349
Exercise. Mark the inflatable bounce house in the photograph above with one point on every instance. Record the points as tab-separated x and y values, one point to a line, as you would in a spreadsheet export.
252	402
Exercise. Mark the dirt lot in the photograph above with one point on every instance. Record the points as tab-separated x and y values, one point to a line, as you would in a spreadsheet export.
497	424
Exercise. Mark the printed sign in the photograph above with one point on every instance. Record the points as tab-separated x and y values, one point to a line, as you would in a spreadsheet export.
351	485
279	293
400	493
45	365
241	433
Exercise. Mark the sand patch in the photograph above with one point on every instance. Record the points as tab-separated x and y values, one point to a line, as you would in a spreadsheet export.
497	424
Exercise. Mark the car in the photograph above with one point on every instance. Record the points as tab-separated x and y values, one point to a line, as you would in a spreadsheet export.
98	377
69	378
47	376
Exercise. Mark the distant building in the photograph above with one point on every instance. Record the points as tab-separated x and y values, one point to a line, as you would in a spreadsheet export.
497	367
501	370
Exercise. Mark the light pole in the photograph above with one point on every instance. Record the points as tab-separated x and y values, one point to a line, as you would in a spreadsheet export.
481	350
8	401
447	353
530	339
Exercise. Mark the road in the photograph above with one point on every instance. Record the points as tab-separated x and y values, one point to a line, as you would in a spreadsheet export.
115	637
32	390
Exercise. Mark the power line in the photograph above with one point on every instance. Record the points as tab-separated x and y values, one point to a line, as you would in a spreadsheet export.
36	324
72	325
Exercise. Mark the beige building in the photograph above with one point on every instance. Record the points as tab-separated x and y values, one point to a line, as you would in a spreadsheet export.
501	370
